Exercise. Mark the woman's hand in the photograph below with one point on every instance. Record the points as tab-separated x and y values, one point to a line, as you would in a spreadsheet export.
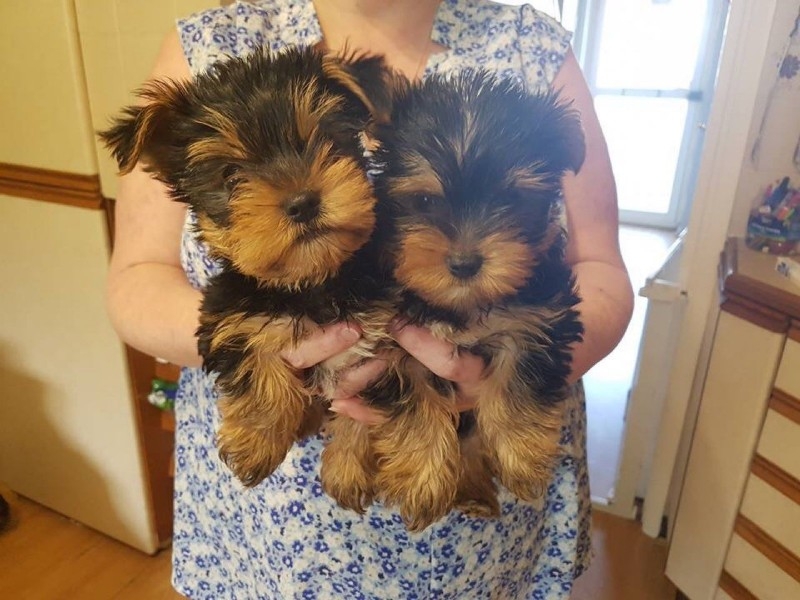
326	343
442	358
321	345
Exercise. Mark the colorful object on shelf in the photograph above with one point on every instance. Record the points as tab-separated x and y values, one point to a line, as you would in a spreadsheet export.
788	268
774	225
162	394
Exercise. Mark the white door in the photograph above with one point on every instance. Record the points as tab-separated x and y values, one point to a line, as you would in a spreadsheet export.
651	65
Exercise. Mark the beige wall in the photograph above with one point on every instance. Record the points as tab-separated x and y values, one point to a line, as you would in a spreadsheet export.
67	428
43	110
120	40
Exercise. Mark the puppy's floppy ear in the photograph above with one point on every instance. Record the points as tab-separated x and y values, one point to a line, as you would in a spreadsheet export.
149	132
367	78
561	131
397	88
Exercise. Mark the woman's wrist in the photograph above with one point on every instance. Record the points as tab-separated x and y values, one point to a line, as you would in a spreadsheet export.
155	310
605	311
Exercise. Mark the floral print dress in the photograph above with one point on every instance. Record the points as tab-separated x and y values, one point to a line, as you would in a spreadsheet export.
285	539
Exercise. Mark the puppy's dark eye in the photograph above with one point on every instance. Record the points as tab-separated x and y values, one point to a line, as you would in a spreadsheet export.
230	176
423	203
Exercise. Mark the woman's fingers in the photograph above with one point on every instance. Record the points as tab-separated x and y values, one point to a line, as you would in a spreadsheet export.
345	398
321	345
357	410
352	381
441	357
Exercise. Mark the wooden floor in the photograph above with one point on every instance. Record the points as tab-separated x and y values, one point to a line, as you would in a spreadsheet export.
627	564
47	557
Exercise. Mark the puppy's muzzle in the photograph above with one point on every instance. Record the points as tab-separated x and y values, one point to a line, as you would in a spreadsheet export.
303	208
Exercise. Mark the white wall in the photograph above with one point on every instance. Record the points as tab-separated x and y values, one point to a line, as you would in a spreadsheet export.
781	107
751	32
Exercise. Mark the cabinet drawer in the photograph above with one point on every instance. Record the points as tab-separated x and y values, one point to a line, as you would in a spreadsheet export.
788	379
757	574
774	510
779	442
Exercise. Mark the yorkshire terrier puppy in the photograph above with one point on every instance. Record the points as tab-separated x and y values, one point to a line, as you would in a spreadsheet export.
469	207
267	150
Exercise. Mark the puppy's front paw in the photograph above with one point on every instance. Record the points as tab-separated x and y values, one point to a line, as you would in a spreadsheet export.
479	508
525	461
421	498
348	467
313	419
418	474
264	402
351	486
477	493
521	440
251	453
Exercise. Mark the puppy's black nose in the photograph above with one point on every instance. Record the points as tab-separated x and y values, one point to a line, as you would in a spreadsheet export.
302	208
464	266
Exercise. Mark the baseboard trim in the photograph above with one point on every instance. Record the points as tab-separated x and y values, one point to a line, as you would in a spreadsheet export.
71	189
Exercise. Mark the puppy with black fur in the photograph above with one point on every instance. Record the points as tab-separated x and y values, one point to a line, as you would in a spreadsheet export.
268	152
469	209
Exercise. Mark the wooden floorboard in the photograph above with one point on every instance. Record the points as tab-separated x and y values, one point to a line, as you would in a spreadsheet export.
48	557
627	564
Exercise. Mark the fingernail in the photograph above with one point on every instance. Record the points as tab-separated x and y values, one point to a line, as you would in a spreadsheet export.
335	406
349	334
295	361
397	323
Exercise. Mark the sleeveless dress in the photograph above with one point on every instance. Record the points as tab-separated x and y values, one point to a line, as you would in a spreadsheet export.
285	539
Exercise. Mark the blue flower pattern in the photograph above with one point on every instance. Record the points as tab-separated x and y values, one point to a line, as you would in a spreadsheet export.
285	539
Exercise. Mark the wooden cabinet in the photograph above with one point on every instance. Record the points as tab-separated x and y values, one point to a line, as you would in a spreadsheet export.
762	559
737	529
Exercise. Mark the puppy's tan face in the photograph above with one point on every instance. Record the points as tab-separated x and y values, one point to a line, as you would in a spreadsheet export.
298	220
297	209
462	261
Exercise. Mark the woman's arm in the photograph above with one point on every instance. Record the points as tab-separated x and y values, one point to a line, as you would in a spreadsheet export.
590	199
152	305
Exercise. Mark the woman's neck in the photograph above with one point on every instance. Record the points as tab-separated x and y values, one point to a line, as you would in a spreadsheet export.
398	29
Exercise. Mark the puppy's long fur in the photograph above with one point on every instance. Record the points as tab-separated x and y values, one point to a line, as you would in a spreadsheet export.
267	151
469	202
